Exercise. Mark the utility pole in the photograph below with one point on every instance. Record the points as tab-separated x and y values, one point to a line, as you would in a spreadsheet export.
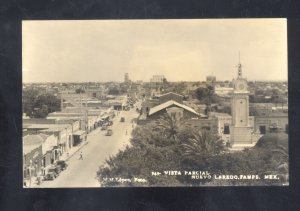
61	101
80	110
86	115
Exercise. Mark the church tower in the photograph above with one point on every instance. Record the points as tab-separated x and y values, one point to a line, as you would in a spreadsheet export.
240	128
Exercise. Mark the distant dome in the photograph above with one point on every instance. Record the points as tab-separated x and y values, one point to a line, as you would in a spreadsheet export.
271	140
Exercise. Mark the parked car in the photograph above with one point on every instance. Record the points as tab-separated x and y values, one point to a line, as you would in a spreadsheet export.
53	172
50	176
122	119
56	168
104	127
109	132
62	163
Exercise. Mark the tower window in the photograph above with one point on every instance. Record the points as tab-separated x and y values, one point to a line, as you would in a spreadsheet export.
241	120
241	102
226	129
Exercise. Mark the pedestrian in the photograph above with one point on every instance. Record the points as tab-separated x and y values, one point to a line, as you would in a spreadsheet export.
81	156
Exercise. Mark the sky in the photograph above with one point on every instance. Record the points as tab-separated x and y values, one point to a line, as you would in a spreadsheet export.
179	49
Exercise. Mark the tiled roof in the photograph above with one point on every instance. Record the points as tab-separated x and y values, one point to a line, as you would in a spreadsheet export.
170	103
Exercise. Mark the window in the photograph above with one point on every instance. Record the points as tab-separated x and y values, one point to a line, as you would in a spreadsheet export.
94	94
287	128
226	129
262	129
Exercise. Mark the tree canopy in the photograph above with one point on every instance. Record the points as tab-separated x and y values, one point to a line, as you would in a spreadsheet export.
169	144
37	105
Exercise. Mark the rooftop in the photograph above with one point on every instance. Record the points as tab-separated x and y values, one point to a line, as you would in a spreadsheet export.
170	103
171	93
46	126
31	142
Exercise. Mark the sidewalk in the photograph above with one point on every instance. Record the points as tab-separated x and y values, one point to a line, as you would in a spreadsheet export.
67	155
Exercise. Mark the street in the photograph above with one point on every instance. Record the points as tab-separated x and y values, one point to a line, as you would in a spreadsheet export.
82	173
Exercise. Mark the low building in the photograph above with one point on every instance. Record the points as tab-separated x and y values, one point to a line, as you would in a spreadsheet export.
39	152
223	91
95	93
63	132
274	122
173	108
157	79
32	155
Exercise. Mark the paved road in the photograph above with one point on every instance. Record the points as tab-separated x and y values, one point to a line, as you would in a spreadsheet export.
82	173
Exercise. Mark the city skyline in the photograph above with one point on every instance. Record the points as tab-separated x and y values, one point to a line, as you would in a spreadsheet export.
181	50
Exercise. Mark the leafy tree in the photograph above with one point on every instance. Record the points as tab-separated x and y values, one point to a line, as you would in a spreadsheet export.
79	90
113	91
49	100
207	96
28	99
153	149
41	112
39	105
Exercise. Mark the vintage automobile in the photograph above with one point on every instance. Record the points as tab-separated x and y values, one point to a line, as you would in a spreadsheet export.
53	172
50	176
62	163
109	132
122	119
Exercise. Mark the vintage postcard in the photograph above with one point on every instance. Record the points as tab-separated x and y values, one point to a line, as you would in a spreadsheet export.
155	103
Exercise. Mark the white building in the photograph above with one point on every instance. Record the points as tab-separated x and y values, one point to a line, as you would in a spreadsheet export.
157	79
223	91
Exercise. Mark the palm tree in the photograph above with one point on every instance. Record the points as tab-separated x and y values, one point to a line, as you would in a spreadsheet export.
203	143
171	125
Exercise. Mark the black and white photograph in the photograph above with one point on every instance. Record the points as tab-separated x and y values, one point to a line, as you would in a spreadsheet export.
155	103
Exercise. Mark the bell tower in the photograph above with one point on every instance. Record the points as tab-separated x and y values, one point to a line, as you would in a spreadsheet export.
241	130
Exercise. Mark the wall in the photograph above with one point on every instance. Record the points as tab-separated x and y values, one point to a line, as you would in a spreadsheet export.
35	156
49	143
280	121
